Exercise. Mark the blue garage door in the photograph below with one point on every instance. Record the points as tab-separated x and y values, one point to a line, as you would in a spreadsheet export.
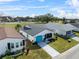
69	33
39	38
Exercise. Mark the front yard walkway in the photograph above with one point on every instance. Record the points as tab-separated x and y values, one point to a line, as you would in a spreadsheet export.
52	52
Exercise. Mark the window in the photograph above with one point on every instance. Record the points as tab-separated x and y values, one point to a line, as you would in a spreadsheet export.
12	45
49	35
21	44
8	45
17	44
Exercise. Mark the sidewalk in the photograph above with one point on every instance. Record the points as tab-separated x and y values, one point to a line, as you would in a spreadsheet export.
69	54
52	52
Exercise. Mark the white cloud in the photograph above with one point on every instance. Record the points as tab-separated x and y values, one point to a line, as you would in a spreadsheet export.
73	3
70	11
59	12
19	8
33	15
12	8
38	7
2	1
41	0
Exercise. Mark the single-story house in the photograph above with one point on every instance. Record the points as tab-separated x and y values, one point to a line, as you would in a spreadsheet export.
10	40
37	33
61	29
76	25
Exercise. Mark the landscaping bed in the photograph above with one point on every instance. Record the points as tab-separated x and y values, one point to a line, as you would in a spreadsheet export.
62	45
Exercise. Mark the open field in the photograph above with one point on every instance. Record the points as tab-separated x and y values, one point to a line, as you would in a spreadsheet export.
62	45
14	24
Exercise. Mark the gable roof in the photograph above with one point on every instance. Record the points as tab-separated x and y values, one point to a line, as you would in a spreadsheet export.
68	27
8	32
60	27
75	24
35	29
53	26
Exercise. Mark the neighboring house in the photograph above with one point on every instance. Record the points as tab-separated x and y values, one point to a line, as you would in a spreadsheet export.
10	40
37	33
61	29
76	25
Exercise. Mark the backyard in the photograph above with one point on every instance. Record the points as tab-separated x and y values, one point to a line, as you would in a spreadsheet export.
62	45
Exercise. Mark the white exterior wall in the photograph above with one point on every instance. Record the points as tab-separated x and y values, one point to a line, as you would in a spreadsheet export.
43	33
31	38
23	33
3	44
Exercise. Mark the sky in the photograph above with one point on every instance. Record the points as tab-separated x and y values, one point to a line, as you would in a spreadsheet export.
59	8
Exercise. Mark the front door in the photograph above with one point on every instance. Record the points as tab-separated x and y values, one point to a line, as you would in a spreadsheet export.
39	38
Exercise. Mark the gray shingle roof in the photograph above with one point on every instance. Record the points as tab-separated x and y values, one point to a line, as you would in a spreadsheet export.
35	29
75	24
68	27
60	27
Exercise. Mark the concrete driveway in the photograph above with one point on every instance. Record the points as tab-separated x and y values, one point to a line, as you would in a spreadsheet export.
72	53
52	52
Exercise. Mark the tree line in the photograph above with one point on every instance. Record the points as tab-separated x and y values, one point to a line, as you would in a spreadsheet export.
41	18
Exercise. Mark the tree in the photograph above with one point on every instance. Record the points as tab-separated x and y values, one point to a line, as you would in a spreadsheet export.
17	27
44	18
64	20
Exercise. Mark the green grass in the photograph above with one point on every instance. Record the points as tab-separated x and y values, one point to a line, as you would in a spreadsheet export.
35	53
76	33
62	45
8	57
13	25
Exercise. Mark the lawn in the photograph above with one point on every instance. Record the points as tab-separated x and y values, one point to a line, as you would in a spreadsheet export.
76	33
62	45
35	53
14	24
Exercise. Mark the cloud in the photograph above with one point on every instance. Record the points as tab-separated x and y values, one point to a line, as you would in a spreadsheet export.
70	10
33	15
12	8
73	3
38	7
20	8
41	0
2	1
60	12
